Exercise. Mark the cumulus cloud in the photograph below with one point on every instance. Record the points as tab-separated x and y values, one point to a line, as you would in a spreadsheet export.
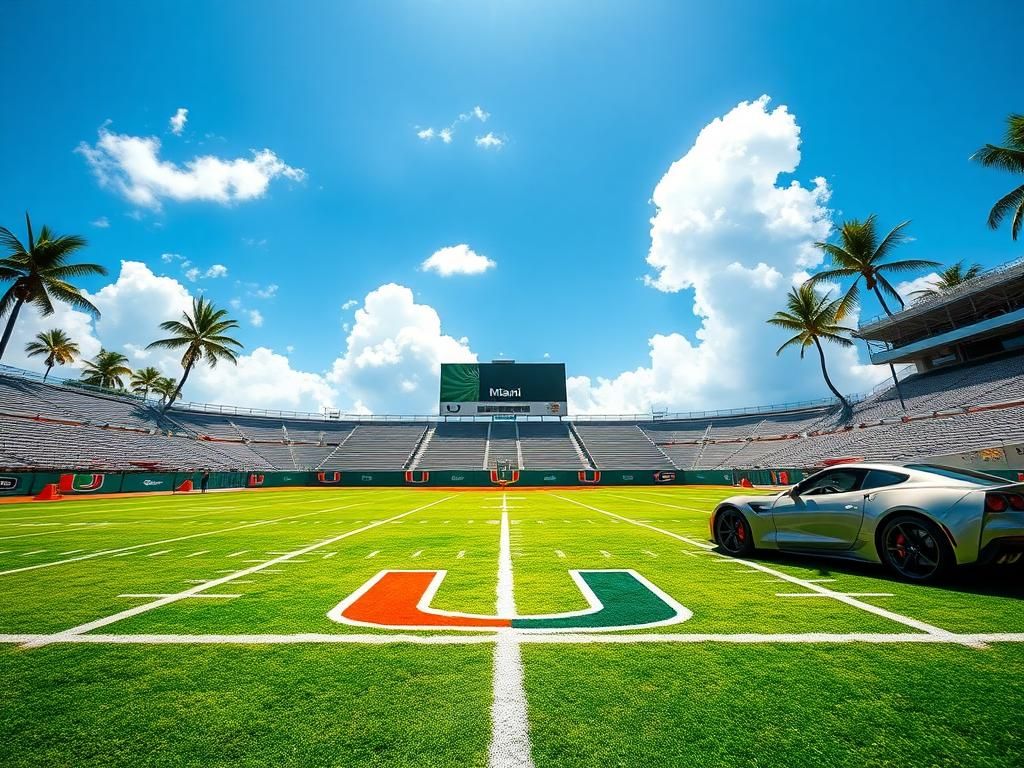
393	355
726	229
131	166
217	270
78	325
350	304
255	318
490	141
907	288
446	134
178	120
457	260
101	223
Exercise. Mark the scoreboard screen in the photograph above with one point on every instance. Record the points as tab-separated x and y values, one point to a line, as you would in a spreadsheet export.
481	389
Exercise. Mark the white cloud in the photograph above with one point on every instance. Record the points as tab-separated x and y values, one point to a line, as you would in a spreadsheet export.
178	120
457	260
131	165
393	354
490	141
255	318
262	379
350	304
167	258
192	274
101	223
907	287
726	229
262	292
78	325
217	270
447	133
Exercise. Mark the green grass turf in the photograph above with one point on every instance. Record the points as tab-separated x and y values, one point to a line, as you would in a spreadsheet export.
775	706
428	705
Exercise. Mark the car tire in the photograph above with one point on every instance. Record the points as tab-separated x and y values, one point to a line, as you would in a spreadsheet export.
915	549
732	533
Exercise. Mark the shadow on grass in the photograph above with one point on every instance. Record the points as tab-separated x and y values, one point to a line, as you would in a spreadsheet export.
990	580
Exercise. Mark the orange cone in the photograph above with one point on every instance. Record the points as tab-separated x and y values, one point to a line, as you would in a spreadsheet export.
186	485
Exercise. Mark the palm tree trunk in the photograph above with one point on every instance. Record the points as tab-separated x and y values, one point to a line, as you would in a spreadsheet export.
177	391
10	326
48	369
828	381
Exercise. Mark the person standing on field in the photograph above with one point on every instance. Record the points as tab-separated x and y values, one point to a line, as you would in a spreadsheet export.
204	481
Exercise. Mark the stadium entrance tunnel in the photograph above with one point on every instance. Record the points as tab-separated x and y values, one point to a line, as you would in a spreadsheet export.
617	599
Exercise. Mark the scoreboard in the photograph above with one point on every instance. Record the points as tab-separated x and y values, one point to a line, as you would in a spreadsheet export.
482	389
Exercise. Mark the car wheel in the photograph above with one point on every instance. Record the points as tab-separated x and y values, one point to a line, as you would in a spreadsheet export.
733	534
915	549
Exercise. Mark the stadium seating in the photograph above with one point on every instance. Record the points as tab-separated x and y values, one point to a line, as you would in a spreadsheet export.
548	445
503	445
377	447
49	425
455	445
621	446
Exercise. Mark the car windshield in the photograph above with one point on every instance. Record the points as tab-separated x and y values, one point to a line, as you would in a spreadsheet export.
964	475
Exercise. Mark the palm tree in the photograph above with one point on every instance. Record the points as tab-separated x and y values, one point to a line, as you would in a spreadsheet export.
949	278
859	254
144	380
166	387
40	272
814	317
1009	158
56	345
202	336
106	369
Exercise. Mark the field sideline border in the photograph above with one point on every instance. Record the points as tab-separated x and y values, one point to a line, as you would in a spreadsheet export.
978	641
26	499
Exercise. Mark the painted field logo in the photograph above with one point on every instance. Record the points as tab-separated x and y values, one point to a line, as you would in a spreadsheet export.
616	600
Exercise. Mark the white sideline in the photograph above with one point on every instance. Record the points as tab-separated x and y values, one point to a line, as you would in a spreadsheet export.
510	726
89	626
822	638
824	591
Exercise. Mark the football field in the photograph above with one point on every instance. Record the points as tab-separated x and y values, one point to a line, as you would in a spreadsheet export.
472	628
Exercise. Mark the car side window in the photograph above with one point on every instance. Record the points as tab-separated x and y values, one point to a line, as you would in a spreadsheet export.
832	481
879	478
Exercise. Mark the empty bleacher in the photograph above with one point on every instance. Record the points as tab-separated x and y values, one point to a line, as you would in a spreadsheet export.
455	445
548	445
621	446
502	444
377	447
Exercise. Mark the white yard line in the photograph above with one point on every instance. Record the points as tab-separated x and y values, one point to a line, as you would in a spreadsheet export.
153	543
663	504
510	726
82	629
200	552
811	586
811	638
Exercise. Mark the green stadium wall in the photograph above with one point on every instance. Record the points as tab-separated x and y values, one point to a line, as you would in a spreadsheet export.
84	482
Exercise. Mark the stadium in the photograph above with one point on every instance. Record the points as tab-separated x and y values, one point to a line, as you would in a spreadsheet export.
511	386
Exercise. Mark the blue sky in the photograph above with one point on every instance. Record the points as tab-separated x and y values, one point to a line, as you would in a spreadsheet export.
592	104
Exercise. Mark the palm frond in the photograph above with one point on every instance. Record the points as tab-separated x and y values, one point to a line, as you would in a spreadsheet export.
1014	201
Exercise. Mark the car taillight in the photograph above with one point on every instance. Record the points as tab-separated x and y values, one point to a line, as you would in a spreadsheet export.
1000	502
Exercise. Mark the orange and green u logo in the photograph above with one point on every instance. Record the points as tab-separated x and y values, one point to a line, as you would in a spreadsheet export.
617	599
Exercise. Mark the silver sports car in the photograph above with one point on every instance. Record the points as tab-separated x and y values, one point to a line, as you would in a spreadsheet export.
920	520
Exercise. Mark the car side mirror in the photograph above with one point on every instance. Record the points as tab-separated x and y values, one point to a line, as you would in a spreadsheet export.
794	492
